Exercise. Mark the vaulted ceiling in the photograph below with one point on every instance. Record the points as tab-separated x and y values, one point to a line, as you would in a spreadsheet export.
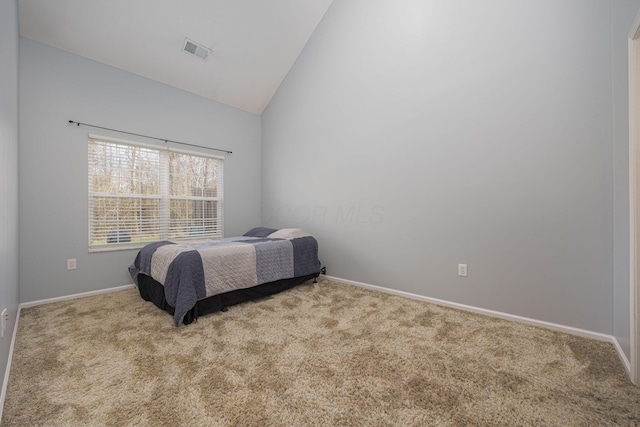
253	43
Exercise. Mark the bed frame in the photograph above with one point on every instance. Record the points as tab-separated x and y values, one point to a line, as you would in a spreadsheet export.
151	290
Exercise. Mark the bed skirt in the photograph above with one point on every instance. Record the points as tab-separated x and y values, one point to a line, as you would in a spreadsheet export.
150	290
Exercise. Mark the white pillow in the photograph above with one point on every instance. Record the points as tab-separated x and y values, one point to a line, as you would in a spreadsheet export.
288	233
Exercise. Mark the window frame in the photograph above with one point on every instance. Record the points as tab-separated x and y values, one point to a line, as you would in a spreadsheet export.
165	198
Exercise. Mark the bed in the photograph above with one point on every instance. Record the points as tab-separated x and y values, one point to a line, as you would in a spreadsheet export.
193	278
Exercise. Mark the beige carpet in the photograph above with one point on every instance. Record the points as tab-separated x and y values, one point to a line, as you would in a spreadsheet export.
327	354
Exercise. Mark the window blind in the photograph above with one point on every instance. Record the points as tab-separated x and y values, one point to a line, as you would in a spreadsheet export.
140	193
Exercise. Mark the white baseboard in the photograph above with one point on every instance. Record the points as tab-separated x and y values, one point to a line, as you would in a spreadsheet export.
5	383
526	320
623	357
74	296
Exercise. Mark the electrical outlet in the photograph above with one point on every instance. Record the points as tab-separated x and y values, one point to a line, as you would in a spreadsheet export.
71	264
462	270
5	319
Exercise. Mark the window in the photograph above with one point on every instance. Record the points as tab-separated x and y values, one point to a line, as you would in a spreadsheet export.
143	193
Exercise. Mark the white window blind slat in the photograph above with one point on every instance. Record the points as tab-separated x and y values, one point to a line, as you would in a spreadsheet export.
140	193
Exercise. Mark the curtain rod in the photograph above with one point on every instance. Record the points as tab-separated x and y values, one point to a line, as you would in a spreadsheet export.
151	137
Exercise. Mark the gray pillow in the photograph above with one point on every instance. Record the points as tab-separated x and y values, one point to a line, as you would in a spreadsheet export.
259	232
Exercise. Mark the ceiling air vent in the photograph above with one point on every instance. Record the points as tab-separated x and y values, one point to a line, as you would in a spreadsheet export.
196	49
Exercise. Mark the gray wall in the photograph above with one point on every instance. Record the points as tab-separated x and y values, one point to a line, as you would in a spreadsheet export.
8	171
56	86
623	14
412	136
